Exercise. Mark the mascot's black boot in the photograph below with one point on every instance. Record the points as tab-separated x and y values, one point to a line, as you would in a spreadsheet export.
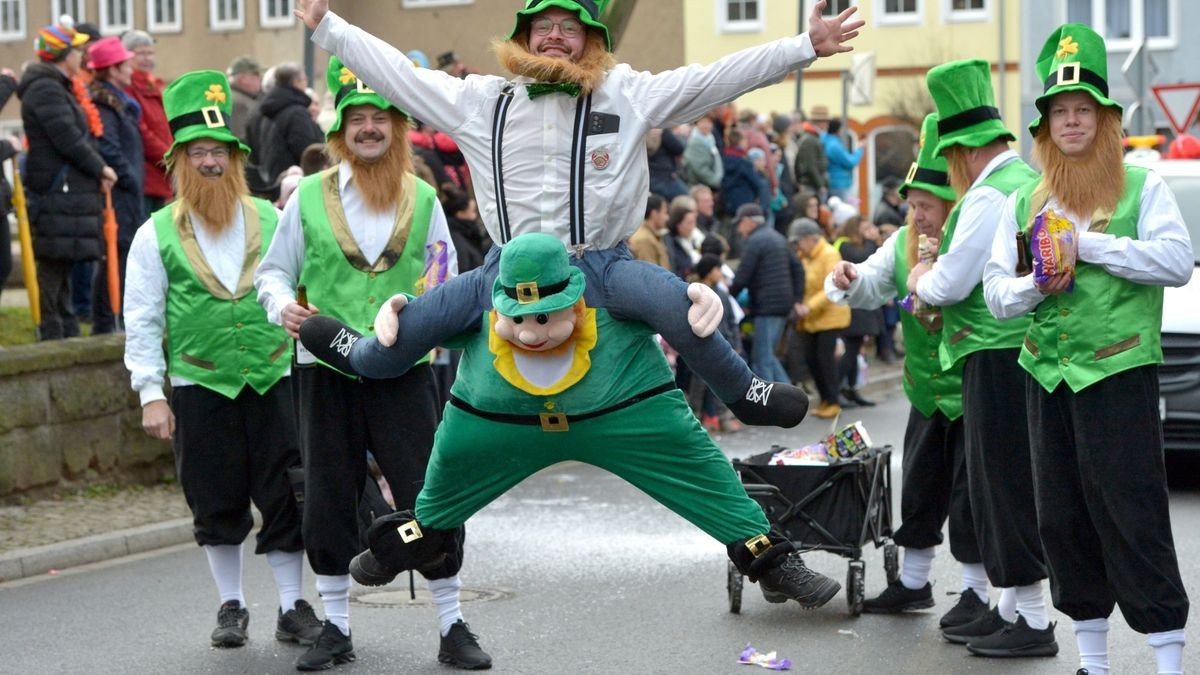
777	567
329	340
766	404
398	543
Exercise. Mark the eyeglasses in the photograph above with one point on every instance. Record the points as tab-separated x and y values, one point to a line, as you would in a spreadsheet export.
199	154
542	26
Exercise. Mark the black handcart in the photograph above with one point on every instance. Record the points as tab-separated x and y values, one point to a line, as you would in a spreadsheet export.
836	507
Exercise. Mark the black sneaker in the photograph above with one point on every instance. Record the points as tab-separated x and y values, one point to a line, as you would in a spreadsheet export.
770	404
792	580
898	598
460	648
1016	639
298	625
232	620
852	394
969	608
330	649
988	623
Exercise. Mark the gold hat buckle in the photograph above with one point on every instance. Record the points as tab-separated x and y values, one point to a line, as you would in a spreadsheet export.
213	118
527	292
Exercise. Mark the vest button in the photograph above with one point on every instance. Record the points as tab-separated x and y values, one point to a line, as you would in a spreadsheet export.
371	327
936	376
933	355
371	300
242	348
1063	337
1064	312
371	275
245	371
937	397
237	301
240	325
1066	360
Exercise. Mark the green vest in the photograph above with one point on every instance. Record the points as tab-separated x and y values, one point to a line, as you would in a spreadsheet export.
969	326
1106	324
340	281
928	387
215	338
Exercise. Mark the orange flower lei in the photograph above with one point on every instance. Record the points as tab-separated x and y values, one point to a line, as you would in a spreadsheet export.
89	108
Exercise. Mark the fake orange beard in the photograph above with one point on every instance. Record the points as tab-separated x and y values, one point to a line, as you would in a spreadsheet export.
566	345
215	202
959	169
1094	181
378	181
515	57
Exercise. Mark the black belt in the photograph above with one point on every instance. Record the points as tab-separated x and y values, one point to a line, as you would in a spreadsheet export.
557	421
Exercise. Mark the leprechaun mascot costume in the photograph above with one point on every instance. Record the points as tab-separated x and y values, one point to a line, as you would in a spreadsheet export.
1092	353
544	378
935	476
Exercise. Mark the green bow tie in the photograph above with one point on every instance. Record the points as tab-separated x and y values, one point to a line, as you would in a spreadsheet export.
536	89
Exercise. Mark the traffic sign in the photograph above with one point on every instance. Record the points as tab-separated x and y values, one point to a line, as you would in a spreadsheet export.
1180	102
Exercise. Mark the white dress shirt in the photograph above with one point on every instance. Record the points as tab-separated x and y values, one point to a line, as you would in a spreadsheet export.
539	134
145	302
960	269
1160	256
876	281
279	272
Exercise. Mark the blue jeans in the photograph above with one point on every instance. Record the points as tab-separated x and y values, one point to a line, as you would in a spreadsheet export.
631	290
767	332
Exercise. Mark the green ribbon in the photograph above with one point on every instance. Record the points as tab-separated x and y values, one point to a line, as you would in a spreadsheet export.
536	89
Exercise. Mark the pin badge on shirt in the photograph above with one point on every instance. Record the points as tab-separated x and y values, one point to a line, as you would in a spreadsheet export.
600	158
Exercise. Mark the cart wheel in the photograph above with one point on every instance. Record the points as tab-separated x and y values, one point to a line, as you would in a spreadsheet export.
891	562
733	583
856	586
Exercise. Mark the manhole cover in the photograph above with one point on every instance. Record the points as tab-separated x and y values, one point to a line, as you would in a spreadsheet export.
400	596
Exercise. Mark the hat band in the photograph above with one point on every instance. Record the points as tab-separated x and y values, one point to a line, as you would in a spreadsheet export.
535	292
1066	74
931	177
210	117
967	118
357	87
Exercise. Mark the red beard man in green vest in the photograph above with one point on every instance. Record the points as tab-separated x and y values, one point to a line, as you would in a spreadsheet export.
230	415
1093	349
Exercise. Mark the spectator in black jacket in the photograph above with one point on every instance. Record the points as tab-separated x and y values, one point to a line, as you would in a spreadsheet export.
286	128
63	175
666	152
8	148
121	148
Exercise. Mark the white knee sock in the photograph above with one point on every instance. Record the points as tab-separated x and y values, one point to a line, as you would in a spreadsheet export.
335	596
1168	651
1031	604
1092	637
289	574
914	574
1007	604
445	598
974	577
226	565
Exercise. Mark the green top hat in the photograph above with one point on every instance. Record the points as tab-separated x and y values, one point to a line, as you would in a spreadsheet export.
967	113
1074	58
536	277
589	12
198	105
348	90
930	171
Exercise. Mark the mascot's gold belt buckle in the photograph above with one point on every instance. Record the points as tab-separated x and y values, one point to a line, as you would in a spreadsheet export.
553	421
213	119
410	532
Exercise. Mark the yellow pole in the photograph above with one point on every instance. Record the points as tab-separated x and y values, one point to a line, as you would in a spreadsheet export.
26	237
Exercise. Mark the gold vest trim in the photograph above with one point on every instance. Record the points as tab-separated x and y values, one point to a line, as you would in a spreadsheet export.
961	334
401	228
1033	349
279	350
1118	347
199	363
195	257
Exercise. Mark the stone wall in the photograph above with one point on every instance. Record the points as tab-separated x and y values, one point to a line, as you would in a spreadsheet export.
69	419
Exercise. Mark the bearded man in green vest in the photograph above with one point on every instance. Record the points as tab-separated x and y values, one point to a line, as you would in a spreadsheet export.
230	415
934	484
984	171
353	236
1093	351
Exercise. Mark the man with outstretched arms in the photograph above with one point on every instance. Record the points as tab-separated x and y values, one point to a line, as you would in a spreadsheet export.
1092	351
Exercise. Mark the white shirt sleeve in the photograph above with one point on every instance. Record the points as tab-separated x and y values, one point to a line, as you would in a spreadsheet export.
1162	253
279	272
1006	294
145	308
876	282
960	268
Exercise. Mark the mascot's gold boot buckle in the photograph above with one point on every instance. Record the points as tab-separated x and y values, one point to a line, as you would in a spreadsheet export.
410	532
758	545
553	421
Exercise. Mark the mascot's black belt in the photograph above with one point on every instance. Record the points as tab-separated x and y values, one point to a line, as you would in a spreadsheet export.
557	421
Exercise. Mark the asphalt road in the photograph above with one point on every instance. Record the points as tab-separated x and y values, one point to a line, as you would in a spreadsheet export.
575	572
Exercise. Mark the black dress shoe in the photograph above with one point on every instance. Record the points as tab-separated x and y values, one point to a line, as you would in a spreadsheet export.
898	598
990	622
969	608
1016	639
852	394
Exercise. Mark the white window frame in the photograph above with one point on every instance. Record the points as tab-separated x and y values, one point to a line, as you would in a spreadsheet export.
829	8
884	18
238	24
286	21
79	12
1137	26
951	15
110	27
422	4
175	26
724	25
17	32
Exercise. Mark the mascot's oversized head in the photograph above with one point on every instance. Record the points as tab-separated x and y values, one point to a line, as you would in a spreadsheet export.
537	294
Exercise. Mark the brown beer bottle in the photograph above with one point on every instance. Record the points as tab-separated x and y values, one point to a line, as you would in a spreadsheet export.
1024	267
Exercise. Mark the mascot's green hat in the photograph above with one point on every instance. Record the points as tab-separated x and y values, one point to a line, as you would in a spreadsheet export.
966	108
929	172
348	90
536	277
1074	58
589	12
198	105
